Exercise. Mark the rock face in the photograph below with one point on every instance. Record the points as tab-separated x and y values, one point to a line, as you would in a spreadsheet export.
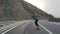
18	10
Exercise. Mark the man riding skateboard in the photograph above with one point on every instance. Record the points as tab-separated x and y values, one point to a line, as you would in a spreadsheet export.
35	16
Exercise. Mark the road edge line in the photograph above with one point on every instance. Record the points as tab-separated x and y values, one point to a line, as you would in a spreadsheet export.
11	28
45	28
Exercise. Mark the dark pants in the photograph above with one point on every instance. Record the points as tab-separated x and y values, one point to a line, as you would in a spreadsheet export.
36	23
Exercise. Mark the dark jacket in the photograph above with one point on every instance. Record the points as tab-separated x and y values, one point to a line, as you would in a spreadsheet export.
35	16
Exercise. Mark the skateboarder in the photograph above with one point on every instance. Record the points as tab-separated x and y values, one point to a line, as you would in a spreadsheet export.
35	16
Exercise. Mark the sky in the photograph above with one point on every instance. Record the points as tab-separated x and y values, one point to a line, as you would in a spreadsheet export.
49	6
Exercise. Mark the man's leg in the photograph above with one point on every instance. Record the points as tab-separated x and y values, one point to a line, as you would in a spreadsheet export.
36	23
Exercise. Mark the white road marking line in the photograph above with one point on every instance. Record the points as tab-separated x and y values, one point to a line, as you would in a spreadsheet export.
11	29
45	29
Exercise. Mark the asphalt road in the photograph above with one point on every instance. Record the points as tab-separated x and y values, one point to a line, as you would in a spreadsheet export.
30	28
53	27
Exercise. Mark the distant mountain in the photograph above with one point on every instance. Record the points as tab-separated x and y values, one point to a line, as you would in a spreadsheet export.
19	10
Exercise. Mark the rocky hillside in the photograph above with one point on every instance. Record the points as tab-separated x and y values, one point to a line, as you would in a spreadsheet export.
18	10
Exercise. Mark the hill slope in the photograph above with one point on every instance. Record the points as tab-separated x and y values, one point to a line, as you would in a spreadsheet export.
18	10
